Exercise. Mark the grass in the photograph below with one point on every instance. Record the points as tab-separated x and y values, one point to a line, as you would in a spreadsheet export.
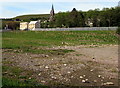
14	83
14	76
27	39
79	54
46	51
39	41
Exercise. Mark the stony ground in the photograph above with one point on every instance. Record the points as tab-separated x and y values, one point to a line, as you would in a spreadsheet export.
87	66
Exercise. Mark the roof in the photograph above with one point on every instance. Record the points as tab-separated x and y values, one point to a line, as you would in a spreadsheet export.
33	22
23	22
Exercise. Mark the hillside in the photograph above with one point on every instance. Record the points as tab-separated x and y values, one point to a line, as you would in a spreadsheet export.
32	17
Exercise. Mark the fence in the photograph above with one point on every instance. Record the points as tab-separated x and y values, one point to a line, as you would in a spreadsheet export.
76	29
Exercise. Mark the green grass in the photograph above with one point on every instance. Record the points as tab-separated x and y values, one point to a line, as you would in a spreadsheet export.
13	76
49	52
14	83
37	41
25	39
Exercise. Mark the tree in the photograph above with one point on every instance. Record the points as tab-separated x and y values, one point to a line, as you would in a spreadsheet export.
13	25
60	19
76	19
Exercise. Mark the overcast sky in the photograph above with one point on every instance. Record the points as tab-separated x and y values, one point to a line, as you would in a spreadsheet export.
12	8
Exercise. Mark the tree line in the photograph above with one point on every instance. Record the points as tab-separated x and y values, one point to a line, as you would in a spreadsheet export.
107	17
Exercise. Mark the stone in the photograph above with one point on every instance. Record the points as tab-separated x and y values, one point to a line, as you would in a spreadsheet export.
46	67
108	83
65	64
68	72
103	77
72	76
91	70
39	74
43	81
46	55
99	76
84	75
30	78
81	77
83	81
53	77
86	79
60	74
95	81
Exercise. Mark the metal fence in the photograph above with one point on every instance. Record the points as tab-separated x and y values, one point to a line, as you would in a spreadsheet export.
69	29
76	29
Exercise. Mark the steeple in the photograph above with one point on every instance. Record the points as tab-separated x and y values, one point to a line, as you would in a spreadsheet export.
52	14
119	4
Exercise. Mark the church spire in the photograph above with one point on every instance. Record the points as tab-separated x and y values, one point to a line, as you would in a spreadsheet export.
52	7
52	14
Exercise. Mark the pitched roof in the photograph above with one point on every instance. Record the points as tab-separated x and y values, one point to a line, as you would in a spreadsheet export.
23	22
33	22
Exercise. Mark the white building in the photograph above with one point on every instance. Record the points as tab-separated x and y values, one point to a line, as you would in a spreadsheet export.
23	25
89	22
30	26
34	24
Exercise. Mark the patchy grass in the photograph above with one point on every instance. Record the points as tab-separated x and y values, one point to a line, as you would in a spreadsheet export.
38	41
17	77
14	83
7	82
22	39
30	41
48	51
79	54
18	42
51	52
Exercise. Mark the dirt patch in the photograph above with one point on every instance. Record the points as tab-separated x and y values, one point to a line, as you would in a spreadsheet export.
86	66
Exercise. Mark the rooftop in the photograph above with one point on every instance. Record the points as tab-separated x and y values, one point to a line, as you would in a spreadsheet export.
33	22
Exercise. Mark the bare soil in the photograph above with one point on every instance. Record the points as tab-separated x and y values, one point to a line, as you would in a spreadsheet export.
87	66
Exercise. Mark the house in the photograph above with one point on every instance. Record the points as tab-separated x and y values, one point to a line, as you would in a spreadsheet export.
34	24
23	25
30	26
89	22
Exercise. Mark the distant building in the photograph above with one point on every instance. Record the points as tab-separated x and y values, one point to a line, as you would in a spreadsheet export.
89	22
23	25
34	24
52	14
30	26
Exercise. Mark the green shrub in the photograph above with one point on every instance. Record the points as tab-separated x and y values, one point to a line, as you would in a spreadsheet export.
13	25
118	30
